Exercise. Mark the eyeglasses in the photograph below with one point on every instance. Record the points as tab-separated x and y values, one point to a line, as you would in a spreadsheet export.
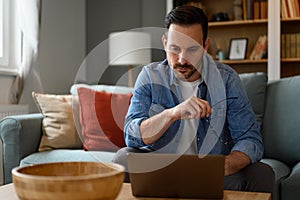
214	130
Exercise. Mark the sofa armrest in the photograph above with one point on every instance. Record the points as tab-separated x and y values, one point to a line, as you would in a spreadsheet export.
20	136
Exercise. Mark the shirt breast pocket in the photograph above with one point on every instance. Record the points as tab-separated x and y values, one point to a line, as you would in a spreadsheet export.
155	109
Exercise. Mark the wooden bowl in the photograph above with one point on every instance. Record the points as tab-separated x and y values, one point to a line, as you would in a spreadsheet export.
68	181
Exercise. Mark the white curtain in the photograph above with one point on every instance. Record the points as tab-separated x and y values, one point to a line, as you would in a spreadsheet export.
29	19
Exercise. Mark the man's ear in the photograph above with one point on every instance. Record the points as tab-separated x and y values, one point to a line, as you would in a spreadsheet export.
207	43
164	41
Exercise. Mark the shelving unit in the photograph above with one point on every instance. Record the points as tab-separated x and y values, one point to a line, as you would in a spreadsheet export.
290	66
220	34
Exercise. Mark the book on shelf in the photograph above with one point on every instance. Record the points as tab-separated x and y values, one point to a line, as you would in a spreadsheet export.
282	46
287	45
250	9
245	9
260	48
255	9
297	8
290	9
263	9
284	10
293	46
298	45
290	45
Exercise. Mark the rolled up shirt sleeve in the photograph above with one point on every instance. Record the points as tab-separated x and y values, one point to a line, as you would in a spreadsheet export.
243	126
138	111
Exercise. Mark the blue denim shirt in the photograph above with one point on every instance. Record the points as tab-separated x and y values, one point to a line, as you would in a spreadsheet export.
156	90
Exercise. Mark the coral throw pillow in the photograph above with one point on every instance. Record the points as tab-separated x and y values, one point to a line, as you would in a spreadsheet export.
102	118
58	125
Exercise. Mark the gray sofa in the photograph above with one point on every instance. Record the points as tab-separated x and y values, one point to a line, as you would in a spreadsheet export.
277	108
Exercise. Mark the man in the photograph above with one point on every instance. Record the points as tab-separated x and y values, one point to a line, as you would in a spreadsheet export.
189	104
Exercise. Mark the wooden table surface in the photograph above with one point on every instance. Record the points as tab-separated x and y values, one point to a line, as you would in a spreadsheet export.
7	192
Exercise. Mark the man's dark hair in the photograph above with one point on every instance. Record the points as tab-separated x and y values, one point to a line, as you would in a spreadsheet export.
188	15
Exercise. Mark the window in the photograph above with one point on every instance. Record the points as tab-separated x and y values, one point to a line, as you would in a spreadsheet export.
1	28
3	33
10	36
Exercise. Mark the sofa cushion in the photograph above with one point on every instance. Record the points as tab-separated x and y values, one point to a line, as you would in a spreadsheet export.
281	126
255	85
281	171
58	124
102	117
67	155
290	187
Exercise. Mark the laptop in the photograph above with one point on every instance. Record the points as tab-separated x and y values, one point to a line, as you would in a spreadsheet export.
176	176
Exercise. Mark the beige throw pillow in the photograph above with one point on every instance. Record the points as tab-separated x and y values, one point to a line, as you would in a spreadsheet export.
58	125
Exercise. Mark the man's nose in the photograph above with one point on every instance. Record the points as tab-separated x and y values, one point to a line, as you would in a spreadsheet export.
182	58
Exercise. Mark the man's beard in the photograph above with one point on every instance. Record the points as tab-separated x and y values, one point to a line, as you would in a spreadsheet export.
181	76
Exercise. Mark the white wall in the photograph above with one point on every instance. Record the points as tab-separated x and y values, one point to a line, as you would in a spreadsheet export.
63	34
6	83
106	16
62	43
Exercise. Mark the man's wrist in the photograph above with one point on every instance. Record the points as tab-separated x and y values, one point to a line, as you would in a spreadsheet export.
171	115
235	161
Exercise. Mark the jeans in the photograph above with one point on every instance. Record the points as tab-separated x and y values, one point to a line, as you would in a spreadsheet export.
257	177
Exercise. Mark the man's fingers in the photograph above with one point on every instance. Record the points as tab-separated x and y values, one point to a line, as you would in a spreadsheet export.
196	108
190	111
205	108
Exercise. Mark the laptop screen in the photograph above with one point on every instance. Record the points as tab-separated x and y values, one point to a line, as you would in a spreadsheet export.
177	176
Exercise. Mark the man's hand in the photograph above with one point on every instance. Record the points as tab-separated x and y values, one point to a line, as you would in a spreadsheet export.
235	161
192	108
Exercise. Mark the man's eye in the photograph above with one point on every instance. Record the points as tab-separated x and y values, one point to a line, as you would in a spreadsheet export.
174	49
193	49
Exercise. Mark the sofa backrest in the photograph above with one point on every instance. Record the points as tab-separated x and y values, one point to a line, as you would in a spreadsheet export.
107	88
255	85
281	124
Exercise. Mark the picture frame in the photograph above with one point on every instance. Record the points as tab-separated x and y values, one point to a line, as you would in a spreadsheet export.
238	48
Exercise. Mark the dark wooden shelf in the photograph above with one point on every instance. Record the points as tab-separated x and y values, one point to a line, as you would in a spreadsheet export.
290	60
239	22
246	61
